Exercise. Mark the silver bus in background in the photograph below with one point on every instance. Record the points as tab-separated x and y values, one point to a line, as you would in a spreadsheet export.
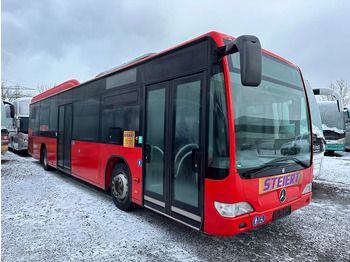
347	128
317	132
17	114
333	122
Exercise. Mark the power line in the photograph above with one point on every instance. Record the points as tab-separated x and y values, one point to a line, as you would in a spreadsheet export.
18	87
14	75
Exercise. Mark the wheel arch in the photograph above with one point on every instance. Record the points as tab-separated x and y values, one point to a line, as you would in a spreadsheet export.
112	161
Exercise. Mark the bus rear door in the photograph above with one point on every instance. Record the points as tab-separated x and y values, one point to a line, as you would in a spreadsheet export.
64	137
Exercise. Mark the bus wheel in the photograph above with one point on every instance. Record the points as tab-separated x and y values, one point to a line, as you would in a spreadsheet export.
121	187
44	159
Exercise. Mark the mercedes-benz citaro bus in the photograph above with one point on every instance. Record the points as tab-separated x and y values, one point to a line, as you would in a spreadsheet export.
214	133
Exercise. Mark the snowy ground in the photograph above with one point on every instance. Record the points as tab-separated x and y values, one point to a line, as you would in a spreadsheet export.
49	216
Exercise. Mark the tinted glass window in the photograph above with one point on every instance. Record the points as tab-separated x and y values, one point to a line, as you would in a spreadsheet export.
53	115
122	78
35	117
86	120
119	116
44	115
218	150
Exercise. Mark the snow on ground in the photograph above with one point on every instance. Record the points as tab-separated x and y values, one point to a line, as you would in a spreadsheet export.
50	216
336	169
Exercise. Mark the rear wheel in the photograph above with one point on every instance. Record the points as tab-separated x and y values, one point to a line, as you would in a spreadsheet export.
120	187
44	159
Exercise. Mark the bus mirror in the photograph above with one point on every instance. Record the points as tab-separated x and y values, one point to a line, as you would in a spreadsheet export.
10	110
249	49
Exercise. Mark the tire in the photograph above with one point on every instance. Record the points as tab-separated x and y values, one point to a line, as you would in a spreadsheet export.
44	159
120	187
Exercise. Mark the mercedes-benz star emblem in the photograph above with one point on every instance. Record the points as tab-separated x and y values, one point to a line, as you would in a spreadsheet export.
283	195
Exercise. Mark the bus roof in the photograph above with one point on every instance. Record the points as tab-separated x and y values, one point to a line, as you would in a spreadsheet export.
216	36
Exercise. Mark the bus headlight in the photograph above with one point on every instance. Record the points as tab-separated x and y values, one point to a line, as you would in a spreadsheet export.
233	210
307	189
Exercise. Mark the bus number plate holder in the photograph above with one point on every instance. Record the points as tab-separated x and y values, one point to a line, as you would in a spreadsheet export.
278	214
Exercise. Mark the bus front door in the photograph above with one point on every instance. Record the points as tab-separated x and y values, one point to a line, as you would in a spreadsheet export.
64	137
172	147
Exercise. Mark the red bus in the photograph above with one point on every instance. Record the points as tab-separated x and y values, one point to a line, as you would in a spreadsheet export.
214	133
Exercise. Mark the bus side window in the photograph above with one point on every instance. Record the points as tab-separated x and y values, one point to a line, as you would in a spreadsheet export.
218	151
120	113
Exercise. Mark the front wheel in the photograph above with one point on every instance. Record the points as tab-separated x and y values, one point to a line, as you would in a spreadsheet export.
121	188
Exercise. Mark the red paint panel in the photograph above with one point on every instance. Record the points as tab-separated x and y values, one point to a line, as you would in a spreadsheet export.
85	162
234	189
269	200
51	146
55	90
133	158
34	148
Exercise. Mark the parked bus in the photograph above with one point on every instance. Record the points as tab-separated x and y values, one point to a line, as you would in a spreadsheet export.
17	114
213	133
4	131
317	132
347	128
333	123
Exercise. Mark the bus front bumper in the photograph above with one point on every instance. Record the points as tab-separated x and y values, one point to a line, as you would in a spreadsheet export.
215	224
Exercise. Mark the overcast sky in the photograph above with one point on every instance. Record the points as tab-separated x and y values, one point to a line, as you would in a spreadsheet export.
48	42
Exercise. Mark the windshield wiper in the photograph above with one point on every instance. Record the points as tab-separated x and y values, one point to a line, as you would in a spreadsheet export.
272	164
282	159
255	171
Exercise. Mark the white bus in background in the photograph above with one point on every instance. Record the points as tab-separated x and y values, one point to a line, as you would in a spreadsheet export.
317	132
347	128
17	114
333	122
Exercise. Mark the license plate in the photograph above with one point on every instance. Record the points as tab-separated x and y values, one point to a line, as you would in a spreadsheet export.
278	214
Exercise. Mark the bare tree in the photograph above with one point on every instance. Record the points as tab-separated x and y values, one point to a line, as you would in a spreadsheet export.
43	87
10	93
343	88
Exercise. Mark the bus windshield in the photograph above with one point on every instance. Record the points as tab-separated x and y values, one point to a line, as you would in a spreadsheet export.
271	121
332	119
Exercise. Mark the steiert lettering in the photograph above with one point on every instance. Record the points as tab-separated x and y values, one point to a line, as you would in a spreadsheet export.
268	184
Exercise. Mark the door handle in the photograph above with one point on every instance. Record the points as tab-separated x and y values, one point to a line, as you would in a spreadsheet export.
147	153
195	160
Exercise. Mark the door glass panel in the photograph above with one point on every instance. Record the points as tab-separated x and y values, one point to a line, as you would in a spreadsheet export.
186	141
154	179
60	136
67	135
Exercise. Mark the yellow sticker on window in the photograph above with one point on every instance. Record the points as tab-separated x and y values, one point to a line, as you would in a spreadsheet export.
129	139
